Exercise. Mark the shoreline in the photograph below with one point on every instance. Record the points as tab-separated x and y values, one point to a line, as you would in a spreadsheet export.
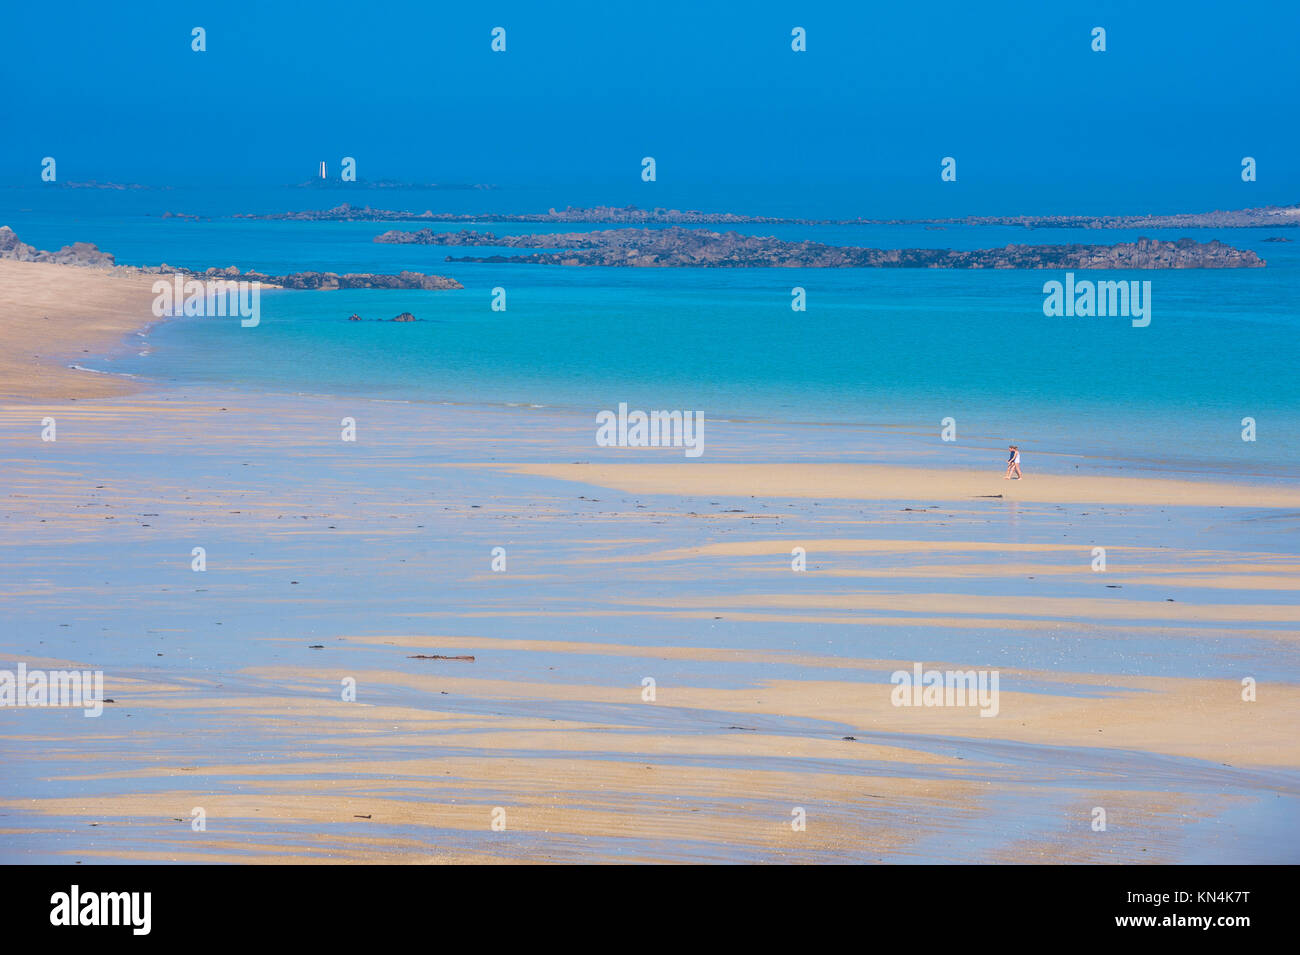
113	306
51	314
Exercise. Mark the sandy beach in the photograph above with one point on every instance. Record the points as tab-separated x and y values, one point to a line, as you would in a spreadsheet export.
50	315
878	483
769	699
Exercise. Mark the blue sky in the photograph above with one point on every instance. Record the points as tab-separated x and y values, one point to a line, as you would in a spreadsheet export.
714	92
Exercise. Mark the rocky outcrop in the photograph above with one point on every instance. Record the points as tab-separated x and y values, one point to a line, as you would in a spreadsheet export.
334	182
87	255
12	248
330	280
404	317
469	237
1264	216
112	186
629	215
1259	218
79	253
697	248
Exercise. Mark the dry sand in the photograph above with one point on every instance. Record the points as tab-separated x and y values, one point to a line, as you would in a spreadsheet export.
863	482
52	314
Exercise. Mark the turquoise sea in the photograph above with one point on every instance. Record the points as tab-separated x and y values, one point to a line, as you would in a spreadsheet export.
897	350
322	552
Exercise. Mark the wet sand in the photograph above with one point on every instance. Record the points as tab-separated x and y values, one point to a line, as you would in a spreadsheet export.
330	561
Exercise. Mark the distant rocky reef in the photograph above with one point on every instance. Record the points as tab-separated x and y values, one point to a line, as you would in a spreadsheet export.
697	248
1265	216
328	280
630	215
112	186
337	183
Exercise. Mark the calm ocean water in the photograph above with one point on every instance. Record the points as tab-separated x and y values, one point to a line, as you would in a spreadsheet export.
888	348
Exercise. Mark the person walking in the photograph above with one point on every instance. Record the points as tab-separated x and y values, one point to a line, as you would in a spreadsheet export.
1013	463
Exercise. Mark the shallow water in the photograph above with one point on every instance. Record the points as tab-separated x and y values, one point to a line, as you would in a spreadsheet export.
884	348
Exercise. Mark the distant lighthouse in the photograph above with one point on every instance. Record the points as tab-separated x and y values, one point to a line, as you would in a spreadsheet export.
322	169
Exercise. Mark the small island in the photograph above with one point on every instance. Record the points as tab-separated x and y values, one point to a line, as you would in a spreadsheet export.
1262	217
327	280
676	247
